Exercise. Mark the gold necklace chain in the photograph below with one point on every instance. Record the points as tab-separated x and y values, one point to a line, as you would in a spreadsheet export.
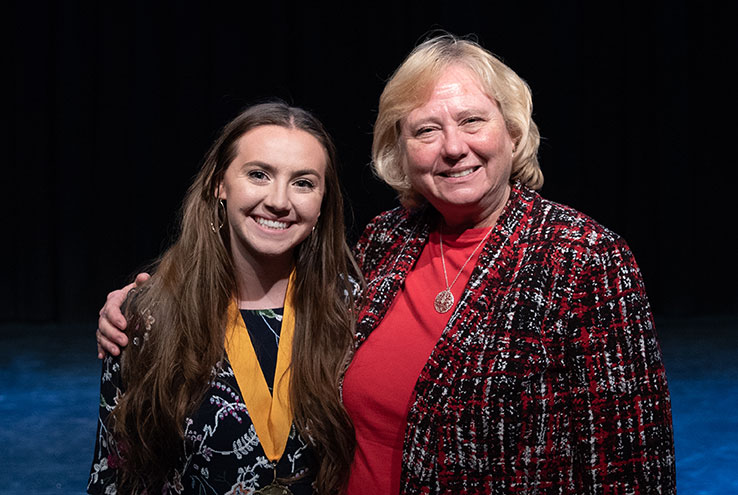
444	300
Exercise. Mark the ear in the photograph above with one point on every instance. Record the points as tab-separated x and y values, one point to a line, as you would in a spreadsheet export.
221	193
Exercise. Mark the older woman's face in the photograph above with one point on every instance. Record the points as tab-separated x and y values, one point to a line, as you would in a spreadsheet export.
458	151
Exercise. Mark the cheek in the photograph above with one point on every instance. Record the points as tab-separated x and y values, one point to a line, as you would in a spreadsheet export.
235	196
418	159
309	208
498	141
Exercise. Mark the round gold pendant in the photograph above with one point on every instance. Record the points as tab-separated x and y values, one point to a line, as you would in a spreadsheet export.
444	301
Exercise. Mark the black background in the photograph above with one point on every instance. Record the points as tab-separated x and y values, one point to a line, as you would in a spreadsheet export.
112	106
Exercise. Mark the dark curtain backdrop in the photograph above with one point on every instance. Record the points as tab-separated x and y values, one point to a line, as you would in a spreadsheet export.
113	104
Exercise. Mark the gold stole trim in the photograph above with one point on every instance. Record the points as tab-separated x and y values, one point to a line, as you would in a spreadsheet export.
270	413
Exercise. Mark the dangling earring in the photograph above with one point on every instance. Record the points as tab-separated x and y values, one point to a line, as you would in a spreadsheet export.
219	218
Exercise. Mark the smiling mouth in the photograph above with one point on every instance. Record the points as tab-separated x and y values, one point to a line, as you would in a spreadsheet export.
271	224
461	173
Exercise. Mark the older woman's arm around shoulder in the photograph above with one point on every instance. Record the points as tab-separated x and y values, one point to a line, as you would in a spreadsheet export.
621	424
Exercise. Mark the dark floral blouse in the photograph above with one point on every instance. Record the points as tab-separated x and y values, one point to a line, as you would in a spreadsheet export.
221	453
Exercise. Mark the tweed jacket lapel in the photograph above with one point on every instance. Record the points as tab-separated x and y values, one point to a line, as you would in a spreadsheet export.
465	329
386	256
387	252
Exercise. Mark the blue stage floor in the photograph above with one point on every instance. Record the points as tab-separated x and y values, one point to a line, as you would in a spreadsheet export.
49	391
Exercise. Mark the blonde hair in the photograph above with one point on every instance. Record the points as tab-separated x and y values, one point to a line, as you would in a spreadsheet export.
410	86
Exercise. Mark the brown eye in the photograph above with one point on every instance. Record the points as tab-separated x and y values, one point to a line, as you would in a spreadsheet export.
258	175
304	184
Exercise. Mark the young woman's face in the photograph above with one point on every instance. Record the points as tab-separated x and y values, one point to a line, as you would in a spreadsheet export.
273	191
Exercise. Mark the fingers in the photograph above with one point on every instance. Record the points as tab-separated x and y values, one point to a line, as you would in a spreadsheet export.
111	310
105	346
110	325
141	278
110	331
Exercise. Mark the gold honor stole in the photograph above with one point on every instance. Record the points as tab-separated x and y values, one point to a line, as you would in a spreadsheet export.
270	413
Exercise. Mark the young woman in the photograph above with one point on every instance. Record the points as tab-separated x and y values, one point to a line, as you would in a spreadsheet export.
239	338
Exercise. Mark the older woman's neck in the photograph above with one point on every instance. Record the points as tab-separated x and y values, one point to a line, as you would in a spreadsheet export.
455	221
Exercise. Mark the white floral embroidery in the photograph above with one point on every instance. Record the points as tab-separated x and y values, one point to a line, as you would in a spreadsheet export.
221	452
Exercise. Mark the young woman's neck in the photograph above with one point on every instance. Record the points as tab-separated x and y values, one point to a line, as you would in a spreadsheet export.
262	285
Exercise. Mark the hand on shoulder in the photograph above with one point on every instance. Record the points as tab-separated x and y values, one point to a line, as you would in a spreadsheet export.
111	324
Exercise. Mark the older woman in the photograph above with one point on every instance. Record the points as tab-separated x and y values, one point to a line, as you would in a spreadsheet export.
505	343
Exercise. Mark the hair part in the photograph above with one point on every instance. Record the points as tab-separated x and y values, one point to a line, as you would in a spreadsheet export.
188	295
411	85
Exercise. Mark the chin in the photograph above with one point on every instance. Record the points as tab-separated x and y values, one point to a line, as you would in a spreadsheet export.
460	201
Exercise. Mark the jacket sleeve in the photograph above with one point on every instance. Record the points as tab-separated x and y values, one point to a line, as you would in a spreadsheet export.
620	406
106	459
364	244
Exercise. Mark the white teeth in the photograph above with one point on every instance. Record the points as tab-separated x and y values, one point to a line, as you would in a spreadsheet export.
271	224
460	174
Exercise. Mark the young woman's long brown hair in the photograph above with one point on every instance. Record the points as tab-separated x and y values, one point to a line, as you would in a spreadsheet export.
167	374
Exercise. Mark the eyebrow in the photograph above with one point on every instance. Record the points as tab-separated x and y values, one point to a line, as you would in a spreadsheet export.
463	113
271	168
469	112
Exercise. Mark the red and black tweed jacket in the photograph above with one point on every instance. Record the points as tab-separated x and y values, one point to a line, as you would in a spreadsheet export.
548	377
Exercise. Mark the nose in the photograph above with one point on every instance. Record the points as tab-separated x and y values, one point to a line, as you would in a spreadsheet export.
277	199
454	145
